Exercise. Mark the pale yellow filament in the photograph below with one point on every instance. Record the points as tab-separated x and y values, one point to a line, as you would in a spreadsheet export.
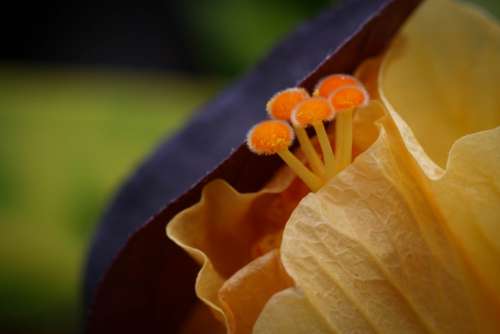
326	148
343	139
309	151
309	178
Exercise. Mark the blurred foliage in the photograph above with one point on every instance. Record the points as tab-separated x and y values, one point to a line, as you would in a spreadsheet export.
67	140
491	6
230	36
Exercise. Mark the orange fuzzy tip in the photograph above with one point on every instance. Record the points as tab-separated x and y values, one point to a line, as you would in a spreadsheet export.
270	137
316	109
333	82
280	106
348	97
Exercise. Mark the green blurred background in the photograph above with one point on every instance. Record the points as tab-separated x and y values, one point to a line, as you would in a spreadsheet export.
72	130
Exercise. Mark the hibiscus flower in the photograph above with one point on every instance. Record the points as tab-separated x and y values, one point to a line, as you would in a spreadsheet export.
405	238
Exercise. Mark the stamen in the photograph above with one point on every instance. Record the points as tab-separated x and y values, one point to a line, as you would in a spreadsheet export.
280	106
275	137
344	100
315	111
270	137
333	82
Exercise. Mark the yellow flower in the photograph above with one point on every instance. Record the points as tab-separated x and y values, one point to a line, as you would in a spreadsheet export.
404	240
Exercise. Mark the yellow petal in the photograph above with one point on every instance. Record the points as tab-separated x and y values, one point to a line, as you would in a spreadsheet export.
469	195
374	251
288	311
244	294
441	74
396	244
222	230
365	132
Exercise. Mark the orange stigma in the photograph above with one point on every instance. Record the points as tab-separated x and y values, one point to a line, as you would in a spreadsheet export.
309	111
349	97
333	82
280	106
270	137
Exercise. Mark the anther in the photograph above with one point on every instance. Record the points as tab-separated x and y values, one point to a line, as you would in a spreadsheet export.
333	82
275	137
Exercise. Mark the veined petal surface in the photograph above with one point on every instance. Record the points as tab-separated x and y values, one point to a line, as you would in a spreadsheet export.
374	251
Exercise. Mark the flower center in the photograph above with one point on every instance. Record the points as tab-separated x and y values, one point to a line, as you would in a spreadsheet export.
345	93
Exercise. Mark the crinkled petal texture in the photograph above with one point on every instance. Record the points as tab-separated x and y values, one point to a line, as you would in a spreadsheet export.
374	250
244	294
395	244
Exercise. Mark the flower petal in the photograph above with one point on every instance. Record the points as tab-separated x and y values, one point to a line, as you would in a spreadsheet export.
244	294
469	195
395	243
288	311
221	231
441	74
374	250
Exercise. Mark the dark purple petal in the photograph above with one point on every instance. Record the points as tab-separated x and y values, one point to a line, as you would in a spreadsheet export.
149	286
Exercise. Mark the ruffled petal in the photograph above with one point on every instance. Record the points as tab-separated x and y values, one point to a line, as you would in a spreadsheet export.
441	74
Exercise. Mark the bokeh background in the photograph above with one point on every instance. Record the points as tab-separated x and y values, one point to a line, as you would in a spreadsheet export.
86	91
